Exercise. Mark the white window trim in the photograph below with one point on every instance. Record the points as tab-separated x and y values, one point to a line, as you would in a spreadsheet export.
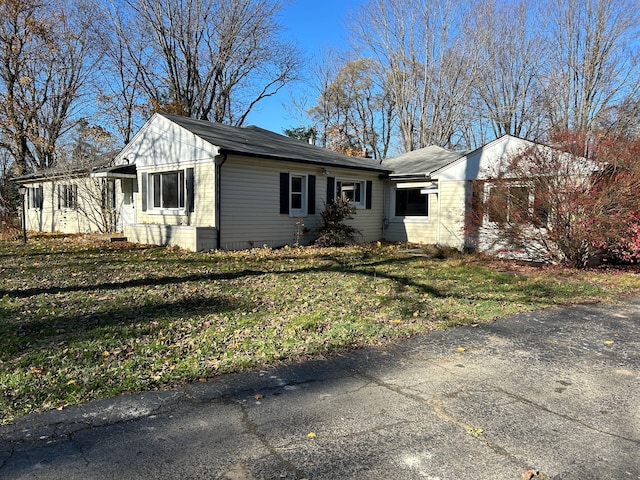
64	205
363	190
30	200
409	218
299	212
151	208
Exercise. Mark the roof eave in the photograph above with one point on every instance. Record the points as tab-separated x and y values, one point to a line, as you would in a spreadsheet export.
319	163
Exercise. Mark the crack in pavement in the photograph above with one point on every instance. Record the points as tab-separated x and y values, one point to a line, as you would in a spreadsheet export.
437	405
525	400
252	429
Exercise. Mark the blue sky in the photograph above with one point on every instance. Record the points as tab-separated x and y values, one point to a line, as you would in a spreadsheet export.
315	26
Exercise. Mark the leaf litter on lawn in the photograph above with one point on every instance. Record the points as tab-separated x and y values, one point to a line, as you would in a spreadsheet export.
82	320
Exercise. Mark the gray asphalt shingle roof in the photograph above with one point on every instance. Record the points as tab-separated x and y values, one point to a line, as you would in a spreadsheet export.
423	161
258	142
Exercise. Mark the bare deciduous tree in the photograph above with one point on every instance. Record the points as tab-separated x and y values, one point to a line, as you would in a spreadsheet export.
209	59
353	114
420	50
592	62
505	36
49	54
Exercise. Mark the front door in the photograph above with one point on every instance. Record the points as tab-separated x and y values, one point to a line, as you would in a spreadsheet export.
127	210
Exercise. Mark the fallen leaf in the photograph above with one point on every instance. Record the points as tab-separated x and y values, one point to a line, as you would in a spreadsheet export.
202	380
474	431
608	342
39	370
529	474
258	396
311	435
460	349
105	354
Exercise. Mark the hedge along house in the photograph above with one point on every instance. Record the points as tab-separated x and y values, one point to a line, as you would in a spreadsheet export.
432	190
201	185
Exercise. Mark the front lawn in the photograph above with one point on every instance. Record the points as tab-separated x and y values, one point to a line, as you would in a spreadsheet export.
81	319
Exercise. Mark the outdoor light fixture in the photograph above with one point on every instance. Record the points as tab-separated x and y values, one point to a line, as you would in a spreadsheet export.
22	190
325	172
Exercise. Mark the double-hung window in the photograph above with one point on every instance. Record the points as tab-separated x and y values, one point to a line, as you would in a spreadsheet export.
509	204
35	197
108	195
168	190
357	192
298	192
68	196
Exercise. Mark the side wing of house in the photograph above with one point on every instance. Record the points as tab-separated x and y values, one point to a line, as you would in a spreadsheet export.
463	186
438	208
276	203
71	204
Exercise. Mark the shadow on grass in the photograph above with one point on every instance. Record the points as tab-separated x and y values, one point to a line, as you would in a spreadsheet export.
130	321
369	269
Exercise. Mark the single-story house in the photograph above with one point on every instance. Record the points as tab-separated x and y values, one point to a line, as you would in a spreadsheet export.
201	185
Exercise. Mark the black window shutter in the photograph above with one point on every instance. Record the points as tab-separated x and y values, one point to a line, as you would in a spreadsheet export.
311	200
331	189
40	197
190	190
367	203
59	197
284	193
145	182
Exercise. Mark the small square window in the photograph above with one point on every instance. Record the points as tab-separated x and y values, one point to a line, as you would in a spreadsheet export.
351	190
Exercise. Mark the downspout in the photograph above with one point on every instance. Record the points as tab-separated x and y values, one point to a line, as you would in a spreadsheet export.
439	215
218	184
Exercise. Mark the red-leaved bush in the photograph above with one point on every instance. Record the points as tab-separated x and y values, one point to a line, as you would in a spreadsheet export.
571	204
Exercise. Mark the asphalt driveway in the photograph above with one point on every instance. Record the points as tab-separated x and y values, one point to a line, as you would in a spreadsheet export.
557	392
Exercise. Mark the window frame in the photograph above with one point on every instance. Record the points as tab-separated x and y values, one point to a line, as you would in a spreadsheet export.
68	196
155	181
303	210
535	212
410	217
35	197
361	203
108	194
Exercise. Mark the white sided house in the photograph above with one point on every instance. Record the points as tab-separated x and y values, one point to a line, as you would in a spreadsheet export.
71	200
432	193
201	185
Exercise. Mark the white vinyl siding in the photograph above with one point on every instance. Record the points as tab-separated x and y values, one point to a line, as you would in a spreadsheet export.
455	197
250	204
68	206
